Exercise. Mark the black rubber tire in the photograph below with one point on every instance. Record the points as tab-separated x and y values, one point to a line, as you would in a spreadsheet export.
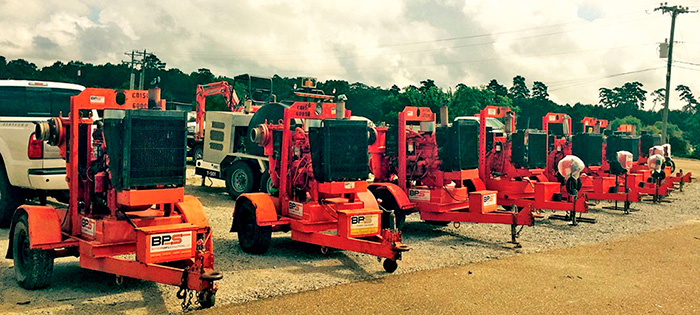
197	153
33	267
206	299
266	183
10	198
672	164
389	203
252	238
240	179
62	196
390	265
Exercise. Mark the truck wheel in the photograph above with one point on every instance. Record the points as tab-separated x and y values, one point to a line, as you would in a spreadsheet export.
62	196
197	153
254	239
239	179
10	198
266	183
33	267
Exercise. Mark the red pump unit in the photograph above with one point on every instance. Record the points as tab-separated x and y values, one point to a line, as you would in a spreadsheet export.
120	202
318	166
435	173
514	166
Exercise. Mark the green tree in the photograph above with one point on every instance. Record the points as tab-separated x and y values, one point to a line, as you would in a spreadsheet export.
539	91
625	99
687	96
497	89
519	88
20	69
658	97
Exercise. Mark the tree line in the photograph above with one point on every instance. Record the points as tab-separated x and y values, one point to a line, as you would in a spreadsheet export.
620	105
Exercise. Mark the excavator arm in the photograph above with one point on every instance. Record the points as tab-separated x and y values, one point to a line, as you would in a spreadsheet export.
222	88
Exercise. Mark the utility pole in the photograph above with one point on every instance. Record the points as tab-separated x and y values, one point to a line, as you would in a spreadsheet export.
140	58
132	77
143	70
674	11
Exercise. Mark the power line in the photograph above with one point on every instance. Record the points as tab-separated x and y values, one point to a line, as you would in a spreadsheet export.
584	81
688	63
455	62
451	39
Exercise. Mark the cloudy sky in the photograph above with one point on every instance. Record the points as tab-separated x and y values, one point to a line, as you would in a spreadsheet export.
575	47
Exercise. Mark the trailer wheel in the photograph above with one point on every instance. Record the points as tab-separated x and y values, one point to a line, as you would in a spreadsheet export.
266	184
206	299
389	203
197	153
390	265
239	179
253	239
10	198
33	267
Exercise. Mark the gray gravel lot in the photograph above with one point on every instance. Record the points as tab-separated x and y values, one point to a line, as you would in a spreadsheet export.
293	267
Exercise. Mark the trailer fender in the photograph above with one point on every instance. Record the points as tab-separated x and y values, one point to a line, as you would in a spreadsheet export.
265	208
193	211
368	199
44	226
396	192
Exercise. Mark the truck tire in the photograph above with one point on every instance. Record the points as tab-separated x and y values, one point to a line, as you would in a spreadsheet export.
33	267
10	198
266	183
240	179
197	153
252	238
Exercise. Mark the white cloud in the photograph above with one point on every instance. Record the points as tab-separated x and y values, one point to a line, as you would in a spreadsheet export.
570	45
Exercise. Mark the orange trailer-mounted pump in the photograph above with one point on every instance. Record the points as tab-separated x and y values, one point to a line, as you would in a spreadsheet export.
436	172
125	175
318	167
514	166
557	127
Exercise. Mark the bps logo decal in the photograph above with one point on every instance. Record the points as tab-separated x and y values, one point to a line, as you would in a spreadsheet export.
171	241
419	194
364	224
97	99
296	209
489	200
87	226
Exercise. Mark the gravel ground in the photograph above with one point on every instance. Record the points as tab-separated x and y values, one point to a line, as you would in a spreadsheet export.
290	267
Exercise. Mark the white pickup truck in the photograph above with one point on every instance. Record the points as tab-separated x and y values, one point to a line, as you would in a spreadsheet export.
30	168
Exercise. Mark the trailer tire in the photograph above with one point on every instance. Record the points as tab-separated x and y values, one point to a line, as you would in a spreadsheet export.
390	265
252	238
206	299
389	203
33	267
266	184
239	178
10	198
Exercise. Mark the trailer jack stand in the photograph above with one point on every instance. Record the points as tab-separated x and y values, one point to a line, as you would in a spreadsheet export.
514	233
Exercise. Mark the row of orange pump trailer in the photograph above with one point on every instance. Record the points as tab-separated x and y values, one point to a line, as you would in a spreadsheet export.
128	214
